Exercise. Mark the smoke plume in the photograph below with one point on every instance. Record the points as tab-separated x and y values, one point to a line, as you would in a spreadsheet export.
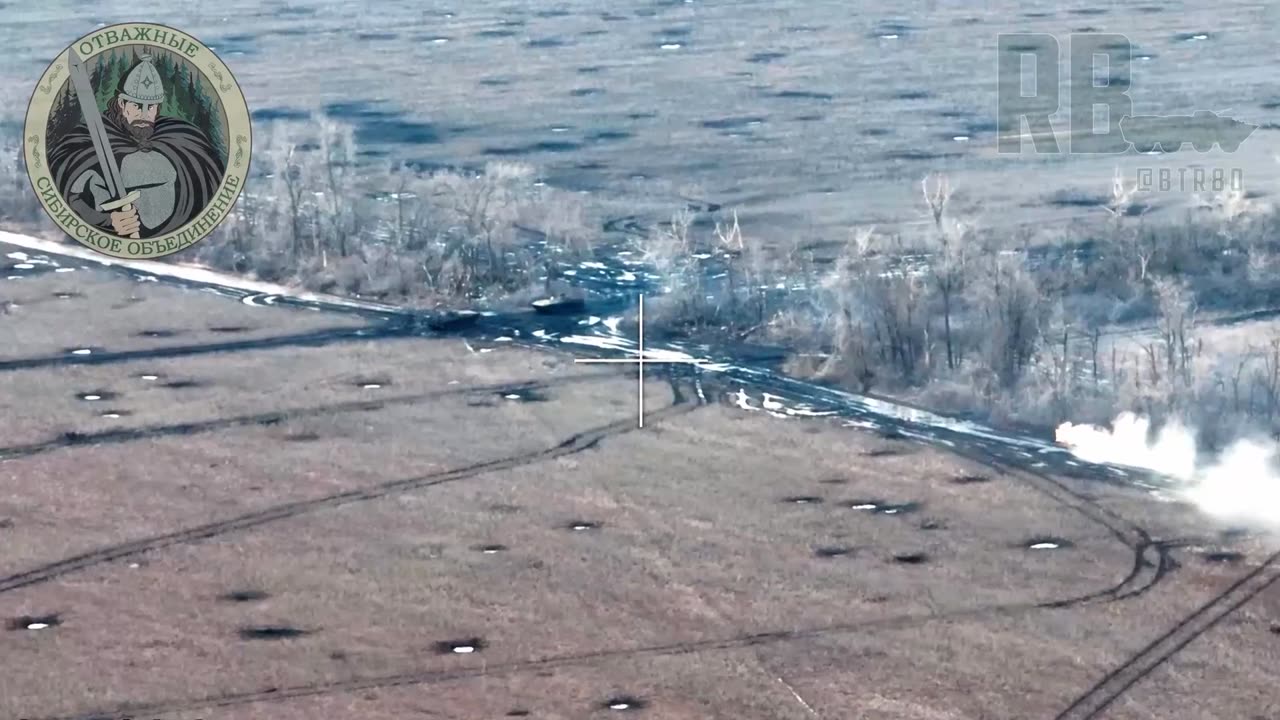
1240	486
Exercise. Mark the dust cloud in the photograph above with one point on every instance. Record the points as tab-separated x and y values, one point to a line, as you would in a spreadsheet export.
1240	485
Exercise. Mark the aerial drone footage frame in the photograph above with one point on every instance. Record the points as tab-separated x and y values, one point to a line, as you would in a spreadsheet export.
926	430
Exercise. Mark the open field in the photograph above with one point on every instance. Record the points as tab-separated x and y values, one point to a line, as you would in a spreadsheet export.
810	117
213	506
278	538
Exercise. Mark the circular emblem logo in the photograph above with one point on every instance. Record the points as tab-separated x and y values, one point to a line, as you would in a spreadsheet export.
137	140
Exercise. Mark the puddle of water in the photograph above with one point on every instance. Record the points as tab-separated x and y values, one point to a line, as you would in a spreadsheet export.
609	135
1224	557
1047	543
34	622
465	646
733	122
271	632
243	596
624	703
582	525
913	155
803	500
763	58
891	30
832	551
803	95
911	558
97	395
399	132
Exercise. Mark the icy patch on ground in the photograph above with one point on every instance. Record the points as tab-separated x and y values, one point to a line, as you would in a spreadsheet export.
192	273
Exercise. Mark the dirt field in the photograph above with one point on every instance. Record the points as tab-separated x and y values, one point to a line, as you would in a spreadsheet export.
259	532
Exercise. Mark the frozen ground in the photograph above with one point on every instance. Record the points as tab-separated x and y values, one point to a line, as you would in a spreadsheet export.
811	117
219	513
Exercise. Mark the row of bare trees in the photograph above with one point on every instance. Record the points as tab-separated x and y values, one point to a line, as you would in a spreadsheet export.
962	316
315	214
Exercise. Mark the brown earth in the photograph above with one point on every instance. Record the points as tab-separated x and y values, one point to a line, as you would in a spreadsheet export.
721	570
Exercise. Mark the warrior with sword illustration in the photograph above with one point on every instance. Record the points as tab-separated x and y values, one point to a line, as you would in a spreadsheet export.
131	171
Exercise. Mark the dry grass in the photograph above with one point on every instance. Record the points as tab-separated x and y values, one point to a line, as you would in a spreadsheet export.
675	598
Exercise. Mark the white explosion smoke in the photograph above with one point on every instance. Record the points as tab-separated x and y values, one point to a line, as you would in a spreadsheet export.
1240	486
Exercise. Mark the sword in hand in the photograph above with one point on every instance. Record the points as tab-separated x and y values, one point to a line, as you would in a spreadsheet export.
124	215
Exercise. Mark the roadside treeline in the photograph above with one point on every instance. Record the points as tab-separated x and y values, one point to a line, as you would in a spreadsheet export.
960	317
312	213
975	321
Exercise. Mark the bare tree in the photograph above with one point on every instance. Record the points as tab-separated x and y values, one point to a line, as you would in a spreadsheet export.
1177	311
948	266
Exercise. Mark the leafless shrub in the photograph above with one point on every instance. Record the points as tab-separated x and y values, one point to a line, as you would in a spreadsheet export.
314	217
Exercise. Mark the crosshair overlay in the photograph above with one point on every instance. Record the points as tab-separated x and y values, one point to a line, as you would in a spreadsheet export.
641	361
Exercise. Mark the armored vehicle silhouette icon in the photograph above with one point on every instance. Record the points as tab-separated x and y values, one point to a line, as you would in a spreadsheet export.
1168	133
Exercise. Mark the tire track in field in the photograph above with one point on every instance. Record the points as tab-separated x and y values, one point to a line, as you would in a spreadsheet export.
1100	696
315	338
574	444
1151	560
569	660
1136	582
72	439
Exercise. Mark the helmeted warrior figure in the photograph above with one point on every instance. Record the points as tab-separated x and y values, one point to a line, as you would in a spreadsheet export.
170	163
